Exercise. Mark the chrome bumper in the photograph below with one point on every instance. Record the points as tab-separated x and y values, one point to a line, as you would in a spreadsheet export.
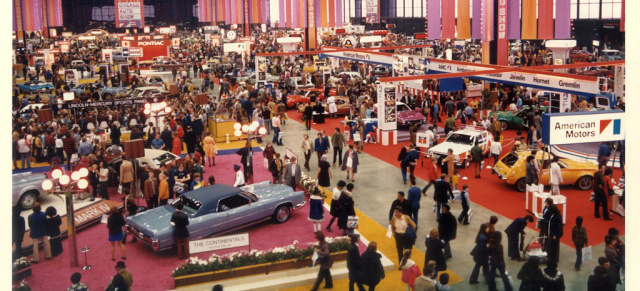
300	205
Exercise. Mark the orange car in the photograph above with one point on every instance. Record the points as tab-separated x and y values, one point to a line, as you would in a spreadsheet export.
342	102
304	97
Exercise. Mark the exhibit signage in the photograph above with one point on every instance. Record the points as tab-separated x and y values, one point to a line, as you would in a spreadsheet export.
565	84
110	103
387	115
582	127
362	57
218	243
503	43
129	13
261	68
135	52
373	11
619	79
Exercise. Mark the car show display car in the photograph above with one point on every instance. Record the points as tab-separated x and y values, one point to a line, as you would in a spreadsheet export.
166	65
512	169
216	209
34	86
461	141
349	75
515	119
107	92
27	189
342	105
251	78
149	91
406	116
304	97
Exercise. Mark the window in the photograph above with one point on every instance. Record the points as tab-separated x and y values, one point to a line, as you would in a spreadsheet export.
232	202
400	8
589	9
574	9
611	9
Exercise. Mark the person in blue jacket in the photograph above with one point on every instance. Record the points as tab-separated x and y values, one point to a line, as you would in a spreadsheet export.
321	146
411	159
414	200
316	210
37	234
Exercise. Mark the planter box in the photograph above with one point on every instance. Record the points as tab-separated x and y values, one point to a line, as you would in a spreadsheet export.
21	274
249	271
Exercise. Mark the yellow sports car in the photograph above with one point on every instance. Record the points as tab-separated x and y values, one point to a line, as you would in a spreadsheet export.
512	168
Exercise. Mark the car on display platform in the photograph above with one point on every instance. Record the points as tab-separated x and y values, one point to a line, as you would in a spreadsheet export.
166	65
342	104
405	115
107	92
145	64
149	91
578	55
251	78
152	158
350	75
512	169
381	71
515	119
461	141
215	210
34	86
27	189
304	97
612	55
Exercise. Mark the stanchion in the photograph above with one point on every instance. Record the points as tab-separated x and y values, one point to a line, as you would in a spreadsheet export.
85	250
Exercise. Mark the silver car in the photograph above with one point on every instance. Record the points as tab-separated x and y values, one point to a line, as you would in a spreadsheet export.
27	189
217	209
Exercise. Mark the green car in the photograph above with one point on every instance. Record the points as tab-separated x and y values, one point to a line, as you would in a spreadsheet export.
510	119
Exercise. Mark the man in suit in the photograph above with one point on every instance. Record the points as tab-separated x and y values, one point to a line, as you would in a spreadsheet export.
414	200
246	154
513	231
151	186
308	115
97	95
441	194
321	146
292	173
126	173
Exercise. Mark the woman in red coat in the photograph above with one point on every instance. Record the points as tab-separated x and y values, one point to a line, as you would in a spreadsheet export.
177	145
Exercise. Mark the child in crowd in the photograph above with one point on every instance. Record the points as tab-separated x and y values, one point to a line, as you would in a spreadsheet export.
454	180
442	284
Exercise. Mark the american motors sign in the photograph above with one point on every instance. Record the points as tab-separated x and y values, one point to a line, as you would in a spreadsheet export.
583	127
564	84
362	57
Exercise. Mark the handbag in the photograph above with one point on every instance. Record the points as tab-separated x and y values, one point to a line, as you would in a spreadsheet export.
265	163
587	254
352	222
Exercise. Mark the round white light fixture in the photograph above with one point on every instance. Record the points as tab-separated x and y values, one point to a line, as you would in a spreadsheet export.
147	111
255	124
237	126
56	173
262	131
83	172
75	176
237	133
64	180
47	185
245	128
83	184
147	106
167	109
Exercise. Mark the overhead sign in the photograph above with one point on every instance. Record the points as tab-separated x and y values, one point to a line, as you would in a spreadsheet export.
129	13
560	43
67	34
167	30
218	243
583	127
373	11
107	104
378	59
564	84
89	37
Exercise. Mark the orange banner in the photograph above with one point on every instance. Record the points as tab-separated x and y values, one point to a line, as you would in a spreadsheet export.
529	21
464	19
324	18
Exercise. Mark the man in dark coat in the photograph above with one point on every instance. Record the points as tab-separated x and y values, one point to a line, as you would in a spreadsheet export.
414	200
400	201
167	138
308	115
513	231
246	159
180	220
18	228
531	175
371	270
447	227
441	194
600	194
353	261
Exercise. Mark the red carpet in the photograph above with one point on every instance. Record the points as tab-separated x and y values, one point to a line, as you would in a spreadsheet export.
54	274
496	195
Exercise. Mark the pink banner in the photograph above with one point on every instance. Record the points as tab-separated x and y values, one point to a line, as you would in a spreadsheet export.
513	19
476	20
563	19
434	24
448	19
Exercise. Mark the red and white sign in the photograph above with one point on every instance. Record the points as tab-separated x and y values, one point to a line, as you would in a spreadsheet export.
125	43
129	13
146	49
175	41
503	43
373	11
136	52
167	30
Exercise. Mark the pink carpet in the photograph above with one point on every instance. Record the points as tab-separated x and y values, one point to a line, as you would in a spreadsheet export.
151	270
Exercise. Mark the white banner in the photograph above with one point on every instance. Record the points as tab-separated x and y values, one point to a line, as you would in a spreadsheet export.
363	57
582	127
218	243
566	84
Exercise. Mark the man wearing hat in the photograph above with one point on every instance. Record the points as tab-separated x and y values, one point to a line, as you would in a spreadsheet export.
125	274
239	176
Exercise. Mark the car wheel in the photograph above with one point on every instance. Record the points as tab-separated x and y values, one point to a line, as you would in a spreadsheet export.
584	183
521	185
28	199
504	125
282	214
107	96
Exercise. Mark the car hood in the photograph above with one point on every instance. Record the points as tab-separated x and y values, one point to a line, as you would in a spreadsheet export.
410	115
266	191
442	148
153	221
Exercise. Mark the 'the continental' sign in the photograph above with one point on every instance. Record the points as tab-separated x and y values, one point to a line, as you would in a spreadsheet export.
218	243
582	127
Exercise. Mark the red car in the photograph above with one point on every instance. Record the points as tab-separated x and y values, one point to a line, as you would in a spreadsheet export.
304	97
578	55
595	72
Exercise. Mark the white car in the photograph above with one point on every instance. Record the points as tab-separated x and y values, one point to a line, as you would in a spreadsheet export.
350	75
461	141
149	91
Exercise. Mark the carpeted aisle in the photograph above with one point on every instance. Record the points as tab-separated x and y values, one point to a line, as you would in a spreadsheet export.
494	194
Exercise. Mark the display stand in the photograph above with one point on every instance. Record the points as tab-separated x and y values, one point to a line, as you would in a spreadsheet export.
535	203
222	128
616	207
387	137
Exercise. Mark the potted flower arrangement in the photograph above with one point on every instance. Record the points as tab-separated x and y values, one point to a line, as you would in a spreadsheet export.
294	256
24	286
21	269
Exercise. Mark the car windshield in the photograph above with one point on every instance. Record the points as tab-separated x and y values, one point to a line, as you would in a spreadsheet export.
510	159
460	139
164	158
191	205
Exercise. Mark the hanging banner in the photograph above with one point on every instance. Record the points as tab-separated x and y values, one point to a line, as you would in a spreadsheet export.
261	68
108	104
332	13
448	19
464	19
563	19
619	79
476	22
529	20
339	13
433	14
32	15
545	19
204	11
129	13
373	11
54	12
503	42
513	19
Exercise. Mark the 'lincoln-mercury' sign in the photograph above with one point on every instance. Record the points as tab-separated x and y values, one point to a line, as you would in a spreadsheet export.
582	127
218	243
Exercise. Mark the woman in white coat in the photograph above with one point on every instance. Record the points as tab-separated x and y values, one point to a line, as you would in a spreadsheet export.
555	176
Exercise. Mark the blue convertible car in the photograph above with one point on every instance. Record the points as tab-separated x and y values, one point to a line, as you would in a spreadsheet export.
217	209
34	86
107	92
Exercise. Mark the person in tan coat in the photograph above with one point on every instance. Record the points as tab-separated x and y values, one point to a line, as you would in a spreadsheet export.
424	282
151	190
126	173
399	226
163	190
449	162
